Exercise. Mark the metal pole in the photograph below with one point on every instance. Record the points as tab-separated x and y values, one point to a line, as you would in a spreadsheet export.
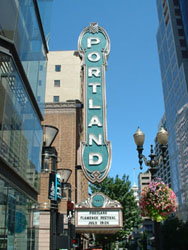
69	216
53	225
157	231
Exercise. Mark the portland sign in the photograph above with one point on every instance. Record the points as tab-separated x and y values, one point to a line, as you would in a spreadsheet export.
94	48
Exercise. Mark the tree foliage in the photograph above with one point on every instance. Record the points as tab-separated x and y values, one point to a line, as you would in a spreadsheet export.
120	190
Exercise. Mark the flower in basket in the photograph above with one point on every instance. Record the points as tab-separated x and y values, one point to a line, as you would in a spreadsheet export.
157	201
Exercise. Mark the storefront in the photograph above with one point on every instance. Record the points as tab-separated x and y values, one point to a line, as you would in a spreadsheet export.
17	219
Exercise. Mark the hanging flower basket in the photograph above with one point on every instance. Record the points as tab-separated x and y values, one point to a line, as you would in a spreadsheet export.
157	201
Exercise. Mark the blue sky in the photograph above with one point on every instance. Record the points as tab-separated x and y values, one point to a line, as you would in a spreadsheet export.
133	81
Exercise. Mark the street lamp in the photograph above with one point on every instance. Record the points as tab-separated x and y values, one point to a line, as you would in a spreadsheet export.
49	153
64	175
49	134
153	164
49	166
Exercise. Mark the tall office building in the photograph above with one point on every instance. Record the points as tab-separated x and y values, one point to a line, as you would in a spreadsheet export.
182	139
23	56
163	172
184	12
173	56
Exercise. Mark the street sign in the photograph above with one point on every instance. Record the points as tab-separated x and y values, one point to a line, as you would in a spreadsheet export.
94	48
54	192
52	187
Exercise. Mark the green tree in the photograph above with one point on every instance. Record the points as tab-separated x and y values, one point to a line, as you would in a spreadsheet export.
120	190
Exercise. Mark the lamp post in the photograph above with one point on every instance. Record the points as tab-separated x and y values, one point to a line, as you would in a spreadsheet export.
49	165
153	164
64	175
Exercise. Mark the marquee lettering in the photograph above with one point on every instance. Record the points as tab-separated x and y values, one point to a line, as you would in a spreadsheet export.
92	138
95	121
94	71
91	106
94	86
95	159
94	57
92	41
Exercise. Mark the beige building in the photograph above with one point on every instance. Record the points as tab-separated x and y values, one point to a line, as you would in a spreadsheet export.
63	77
63	109
143	180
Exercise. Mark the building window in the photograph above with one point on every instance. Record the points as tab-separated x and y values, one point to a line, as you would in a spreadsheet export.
57	68
177	12
179	22
40	82
181	32
182	42
145	178
176	2
56	99
56	83
184	54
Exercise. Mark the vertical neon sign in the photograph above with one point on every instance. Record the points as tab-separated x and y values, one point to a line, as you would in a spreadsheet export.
94	48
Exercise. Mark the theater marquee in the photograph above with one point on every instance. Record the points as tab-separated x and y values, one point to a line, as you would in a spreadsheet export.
98	214
94	48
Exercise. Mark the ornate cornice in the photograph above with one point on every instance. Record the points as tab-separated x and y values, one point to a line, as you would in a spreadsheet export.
72	104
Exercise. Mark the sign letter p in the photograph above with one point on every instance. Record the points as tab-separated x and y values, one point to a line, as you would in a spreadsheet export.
92	41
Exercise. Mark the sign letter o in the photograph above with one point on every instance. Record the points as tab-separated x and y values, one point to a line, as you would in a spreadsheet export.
93	57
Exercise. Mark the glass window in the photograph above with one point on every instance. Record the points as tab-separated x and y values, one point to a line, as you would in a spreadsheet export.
159	39
20	130
19	23
179	22
17	228
169	78
162	63
45	7
160	11
175	71
165	52
162	28
56	83
56	99
57	68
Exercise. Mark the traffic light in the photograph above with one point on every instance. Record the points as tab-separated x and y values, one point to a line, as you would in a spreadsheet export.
75	242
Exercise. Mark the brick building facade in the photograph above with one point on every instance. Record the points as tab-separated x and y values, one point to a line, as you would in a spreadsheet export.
63	110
